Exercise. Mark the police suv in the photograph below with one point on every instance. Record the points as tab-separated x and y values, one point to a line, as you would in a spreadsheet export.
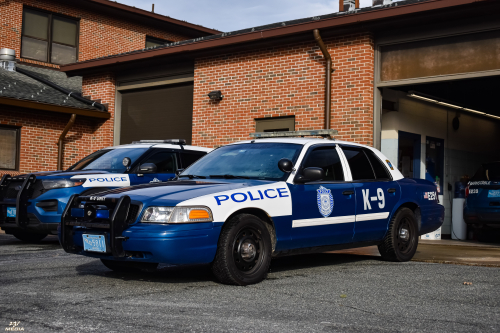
31	205
247	202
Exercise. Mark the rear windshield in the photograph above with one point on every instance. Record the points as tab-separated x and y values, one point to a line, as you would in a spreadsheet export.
489	172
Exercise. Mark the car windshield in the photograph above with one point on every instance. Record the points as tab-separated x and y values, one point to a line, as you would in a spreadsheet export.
488	172
249	160
110	160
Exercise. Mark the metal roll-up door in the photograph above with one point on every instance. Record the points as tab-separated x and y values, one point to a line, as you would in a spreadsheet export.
156	114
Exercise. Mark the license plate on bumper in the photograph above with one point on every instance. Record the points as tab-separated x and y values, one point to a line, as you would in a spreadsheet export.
94	243
11	211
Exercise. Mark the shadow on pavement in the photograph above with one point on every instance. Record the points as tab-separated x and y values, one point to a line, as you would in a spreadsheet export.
200	273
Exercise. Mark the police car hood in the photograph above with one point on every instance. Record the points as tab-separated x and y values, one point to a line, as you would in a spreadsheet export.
173	192
66	174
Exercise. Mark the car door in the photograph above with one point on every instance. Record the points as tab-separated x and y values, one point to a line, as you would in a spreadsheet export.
167	163
376	193
323	212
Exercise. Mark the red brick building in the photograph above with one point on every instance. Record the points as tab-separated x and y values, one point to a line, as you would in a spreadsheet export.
46	34
386	59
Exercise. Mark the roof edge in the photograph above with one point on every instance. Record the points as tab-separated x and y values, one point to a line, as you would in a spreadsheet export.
32	105
153	15
251	34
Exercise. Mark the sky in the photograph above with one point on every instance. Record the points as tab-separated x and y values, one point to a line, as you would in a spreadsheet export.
231	15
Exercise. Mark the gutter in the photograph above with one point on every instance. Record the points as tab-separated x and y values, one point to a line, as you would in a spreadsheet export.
60	142
328	77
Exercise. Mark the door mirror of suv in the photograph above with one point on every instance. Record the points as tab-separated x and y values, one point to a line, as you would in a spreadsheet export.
148	168
310	175
285	165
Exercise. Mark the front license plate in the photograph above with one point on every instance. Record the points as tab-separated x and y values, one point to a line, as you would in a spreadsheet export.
494	194
11	211
94	243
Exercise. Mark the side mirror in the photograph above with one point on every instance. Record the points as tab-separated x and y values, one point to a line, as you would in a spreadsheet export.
179	171
285	165
148	168
310	175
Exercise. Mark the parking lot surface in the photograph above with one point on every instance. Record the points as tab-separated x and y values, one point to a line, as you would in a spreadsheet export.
44	289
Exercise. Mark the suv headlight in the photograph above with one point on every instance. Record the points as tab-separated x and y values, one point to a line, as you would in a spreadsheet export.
177	215
49	184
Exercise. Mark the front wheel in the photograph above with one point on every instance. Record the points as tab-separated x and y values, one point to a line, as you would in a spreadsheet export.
128	267
244	251
29	237
401	241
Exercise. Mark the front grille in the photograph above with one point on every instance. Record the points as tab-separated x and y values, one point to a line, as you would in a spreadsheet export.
13	188
132	213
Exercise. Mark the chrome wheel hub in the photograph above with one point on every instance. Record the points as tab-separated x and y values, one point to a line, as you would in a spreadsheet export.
404	234
248	251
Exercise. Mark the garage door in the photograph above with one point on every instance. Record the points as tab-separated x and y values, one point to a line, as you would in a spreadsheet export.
157	114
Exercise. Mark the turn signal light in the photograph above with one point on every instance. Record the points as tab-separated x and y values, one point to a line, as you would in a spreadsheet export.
195	214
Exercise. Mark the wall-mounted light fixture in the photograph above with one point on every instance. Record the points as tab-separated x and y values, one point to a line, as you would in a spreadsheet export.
439	101
215	95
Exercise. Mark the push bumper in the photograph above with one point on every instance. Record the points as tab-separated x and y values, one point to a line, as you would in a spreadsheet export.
15	193
156	243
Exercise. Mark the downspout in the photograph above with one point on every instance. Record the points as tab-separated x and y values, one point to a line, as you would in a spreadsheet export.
328	79
61	141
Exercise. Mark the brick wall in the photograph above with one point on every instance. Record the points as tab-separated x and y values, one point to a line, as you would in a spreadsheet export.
102	89
282	81
100	35
39	135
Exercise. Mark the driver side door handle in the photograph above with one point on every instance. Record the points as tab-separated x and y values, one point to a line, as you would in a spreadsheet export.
348	192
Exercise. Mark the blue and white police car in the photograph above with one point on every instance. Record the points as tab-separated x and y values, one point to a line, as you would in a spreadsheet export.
247	202
31	205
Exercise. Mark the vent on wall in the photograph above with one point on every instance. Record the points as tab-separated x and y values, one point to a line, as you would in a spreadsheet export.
381	2
8	59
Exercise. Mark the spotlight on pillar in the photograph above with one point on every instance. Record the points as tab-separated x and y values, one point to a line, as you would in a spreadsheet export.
216	95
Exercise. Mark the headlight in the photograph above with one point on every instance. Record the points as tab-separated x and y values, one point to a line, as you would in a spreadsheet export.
60	183
177	215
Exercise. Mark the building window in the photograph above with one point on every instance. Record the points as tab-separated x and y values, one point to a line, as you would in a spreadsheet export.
151	41
49	38
9	148
278	124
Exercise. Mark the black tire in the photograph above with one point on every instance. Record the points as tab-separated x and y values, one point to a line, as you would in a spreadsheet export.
243	252
401	241
129	267
29	237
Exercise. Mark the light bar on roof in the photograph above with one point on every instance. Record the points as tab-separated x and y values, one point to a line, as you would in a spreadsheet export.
436	100
326	133
172	141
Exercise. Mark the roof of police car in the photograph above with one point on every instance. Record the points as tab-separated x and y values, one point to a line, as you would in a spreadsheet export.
160	145
300	141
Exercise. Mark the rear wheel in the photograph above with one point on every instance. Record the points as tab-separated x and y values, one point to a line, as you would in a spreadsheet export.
129	267
244	251
401	241
29	237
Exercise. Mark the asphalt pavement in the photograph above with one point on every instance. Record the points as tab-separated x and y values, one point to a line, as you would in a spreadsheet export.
44	289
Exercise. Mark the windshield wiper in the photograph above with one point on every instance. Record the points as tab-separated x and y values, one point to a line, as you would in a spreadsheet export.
229	177
192	176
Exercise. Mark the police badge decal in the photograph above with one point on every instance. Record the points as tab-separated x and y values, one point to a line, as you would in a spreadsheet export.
325	201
